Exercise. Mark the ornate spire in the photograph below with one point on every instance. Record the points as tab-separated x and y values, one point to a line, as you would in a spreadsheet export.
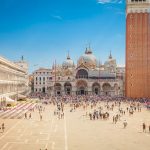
110	56
86	51
22	58
68	57
53	66
89	50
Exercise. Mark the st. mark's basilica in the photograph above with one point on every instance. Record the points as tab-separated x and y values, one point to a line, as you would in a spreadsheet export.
87	77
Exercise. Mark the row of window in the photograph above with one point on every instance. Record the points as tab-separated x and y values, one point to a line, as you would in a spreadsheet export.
41	89
40	78
43	72
40	83
48	78
138	0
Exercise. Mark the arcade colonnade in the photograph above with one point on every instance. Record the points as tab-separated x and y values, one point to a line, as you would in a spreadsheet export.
83	87
13	78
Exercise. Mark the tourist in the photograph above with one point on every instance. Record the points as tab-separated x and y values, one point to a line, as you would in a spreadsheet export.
25	115
40	117
113	119
144	127
125	124
30	116
3	127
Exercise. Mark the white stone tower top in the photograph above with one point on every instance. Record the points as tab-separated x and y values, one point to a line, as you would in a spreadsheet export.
138	6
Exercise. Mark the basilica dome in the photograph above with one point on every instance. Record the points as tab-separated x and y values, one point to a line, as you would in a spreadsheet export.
68	63
88	59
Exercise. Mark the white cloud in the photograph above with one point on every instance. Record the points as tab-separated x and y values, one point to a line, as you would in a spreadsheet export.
110	1
57	17
104	1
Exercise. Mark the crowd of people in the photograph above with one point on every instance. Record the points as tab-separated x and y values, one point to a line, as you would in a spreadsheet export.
102	108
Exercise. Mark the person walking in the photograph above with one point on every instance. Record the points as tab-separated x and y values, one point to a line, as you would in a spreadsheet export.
144	127
3	127
25	115
40	117
30	117
125	124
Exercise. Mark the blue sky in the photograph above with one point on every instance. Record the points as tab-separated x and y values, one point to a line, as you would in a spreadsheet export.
45	30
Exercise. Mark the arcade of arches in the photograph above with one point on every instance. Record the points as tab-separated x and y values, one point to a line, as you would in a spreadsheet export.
82	88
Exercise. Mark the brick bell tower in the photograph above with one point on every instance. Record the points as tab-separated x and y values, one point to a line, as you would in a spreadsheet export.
138	48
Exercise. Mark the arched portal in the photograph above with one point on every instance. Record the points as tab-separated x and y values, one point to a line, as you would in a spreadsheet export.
82	73
96	88
106	89
82	87
68	88
57	88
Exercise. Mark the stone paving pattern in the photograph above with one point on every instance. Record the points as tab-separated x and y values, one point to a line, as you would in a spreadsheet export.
75	132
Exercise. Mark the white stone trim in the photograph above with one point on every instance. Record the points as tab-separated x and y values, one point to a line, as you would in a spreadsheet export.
138	7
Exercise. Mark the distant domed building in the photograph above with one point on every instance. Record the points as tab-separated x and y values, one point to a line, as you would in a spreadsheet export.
88	77
68	63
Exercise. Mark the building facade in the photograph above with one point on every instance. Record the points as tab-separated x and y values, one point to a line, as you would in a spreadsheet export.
87	77
40	80
138	48
13	78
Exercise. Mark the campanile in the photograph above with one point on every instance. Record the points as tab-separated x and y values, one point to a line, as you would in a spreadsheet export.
138	48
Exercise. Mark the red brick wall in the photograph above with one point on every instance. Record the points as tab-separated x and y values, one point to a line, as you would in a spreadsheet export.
138	55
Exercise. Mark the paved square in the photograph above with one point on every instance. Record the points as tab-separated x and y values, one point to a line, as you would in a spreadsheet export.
75	132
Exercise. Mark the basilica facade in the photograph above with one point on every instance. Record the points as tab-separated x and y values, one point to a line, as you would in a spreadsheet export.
87	77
